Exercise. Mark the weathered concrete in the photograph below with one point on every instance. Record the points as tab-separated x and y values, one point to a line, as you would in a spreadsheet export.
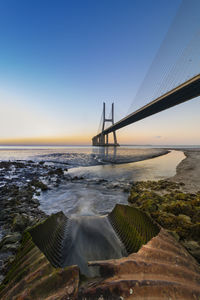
161	269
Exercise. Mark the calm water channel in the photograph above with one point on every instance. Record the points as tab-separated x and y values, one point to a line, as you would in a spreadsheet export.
96	183
96	189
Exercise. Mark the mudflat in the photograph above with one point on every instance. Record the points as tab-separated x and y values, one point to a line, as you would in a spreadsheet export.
188	171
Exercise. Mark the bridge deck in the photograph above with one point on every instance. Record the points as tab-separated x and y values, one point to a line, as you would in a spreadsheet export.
184	92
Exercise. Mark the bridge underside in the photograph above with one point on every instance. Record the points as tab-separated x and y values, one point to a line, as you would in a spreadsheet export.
102	140
182	93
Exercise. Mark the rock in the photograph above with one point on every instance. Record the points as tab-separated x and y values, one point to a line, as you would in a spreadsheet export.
39	185
160	269
1	278
133	197
10	239
173	209
174	234
48	283
193	247
9	259
35	201
20	222
3	215
58	171
10	247
1	263
184	218
126	190
195	231
100	180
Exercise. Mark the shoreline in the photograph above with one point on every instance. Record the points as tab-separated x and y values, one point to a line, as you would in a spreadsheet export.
188	171
174	203
120	159
25	180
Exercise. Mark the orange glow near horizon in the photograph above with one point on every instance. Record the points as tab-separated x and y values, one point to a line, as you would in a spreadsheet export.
124	137
76	140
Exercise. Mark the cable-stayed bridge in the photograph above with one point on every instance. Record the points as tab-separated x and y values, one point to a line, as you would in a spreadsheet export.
184	92
172	78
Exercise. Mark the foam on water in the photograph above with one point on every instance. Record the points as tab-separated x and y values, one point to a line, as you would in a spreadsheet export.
90	238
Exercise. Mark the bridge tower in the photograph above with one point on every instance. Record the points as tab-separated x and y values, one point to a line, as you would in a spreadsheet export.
102	139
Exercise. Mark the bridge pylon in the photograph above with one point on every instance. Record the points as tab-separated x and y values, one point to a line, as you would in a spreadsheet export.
102	139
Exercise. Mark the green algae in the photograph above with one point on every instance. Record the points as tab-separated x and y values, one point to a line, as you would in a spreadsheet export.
48	237
133	227
32	269
169	206
26	246
29	253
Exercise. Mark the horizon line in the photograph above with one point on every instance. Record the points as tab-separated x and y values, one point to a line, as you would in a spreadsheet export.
88	145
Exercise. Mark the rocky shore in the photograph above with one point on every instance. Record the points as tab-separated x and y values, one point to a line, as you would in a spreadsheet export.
22	181
20	184
175	203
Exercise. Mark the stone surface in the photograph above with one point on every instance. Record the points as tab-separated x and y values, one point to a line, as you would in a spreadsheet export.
161	269
176	211
31	276
21	221
10	239
193	247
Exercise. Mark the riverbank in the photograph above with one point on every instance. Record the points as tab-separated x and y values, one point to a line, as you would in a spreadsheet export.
188	171
175	203
22	183
38	172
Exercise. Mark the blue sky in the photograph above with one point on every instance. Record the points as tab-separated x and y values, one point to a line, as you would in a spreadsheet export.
59	60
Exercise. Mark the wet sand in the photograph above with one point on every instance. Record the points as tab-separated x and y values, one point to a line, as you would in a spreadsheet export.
188	171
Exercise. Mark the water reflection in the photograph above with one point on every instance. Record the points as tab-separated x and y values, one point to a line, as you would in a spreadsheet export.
105	185
106	152
149	169
125	154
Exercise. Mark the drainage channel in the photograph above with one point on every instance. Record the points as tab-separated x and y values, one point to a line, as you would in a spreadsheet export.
67	241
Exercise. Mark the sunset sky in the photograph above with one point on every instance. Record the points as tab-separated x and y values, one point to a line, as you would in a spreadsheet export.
60	59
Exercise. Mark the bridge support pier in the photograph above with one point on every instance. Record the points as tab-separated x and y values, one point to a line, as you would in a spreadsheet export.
102	139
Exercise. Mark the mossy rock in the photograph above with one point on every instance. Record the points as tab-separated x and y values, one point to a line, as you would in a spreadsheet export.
149	205
167	205
133	226
39	185
133	197
20	222
180	207
195	232
32	276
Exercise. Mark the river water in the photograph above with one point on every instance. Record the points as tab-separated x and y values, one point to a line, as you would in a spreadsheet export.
98	177
94	181
97	189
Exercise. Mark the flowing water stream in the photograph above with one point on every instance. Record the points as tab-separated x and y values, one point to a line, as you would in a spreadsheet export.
97	189
96	180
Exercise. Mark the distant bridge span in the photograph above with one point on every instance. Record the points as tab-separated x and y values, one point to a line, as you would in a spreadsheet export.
182	93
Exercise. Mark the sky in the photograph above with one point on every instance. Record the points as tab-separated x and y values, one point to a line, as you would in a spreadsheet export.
60	60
